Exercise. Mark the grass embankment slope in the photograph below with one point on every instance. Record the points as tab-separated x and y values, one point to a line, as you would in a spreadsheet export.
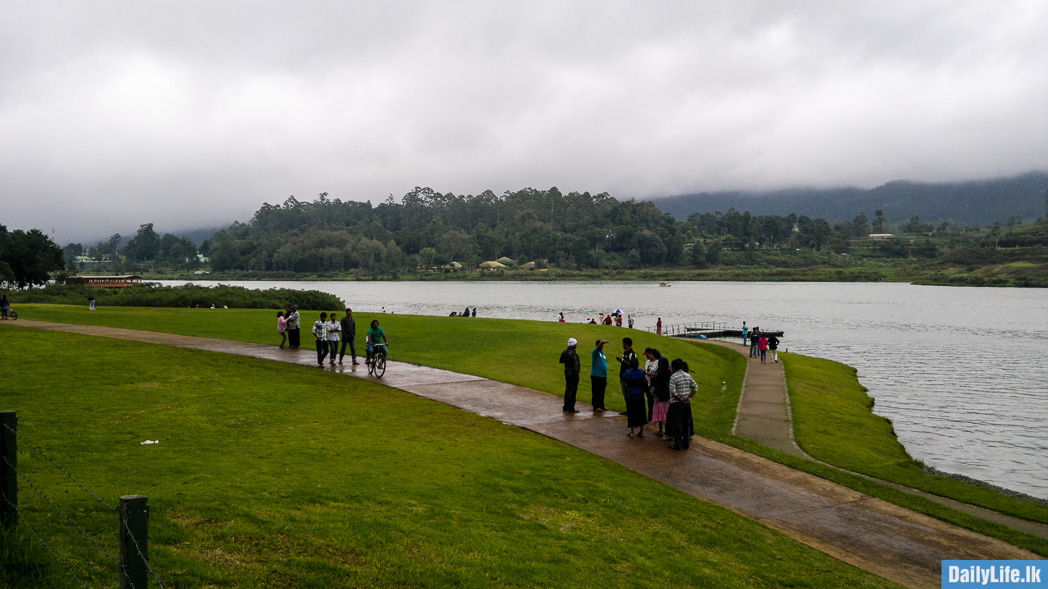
834	422
270	474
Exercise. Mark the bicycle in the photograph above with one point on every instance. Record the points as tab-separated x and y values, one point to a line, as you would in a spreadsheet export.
377	362
12	314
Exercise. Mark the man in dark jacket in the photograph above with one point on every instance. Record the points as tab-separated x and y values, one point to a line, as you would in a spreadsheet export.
349	337
570	359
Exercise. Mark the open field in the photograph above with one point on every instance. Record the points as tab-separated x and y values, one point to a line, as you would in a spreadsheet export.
525	353
275	475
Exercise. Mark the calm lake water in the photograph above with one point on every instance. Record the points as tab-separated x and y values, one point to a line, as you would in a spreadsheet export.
960	371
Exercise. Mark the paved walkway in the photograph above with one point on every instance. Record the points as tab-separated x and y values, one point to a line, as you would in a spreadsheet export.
764	416
871	534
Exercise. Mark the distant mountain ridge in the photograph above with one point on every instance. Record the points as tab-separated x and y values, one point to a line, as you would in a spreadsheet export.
981	202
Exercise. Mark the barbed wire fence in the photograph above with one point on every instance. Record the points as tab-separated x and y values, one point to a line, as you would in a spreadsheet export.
132	513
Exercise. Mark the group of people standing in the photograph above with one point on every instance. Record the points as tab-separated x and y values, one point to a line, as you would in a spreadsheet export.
760	344
332	335
666	386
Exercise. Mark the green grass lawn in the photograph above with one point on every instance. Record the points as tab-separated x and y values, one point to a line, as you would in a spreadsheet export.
831	410
270	474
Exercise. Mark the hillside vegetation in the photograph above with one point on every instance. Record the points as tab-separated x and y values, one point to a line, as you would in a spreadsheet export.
545	234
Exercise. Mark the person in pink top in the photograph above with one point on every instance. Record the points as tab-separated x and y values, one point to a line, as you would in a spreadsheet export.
762	345
282	328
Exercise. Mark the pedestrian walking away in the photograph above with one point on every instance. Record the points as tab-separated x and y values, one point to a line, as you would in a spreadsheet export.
570	359
745	333
754	337
773	345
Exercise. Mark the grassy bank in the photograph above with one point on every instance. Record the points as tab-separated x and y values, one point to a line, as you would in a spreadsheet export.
831	409
269	474
833	422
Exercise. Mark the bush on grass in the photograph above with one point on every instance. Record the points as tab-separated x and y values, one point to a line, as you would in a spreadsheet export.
187	295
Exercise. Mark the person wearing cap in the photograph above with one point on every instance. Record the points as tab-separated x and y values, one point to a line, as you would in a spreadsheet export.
293	326
599	375
570	359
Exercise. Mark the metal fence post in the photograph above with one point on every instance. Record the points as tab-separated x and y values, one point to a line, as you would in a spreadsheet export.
134	542
8	466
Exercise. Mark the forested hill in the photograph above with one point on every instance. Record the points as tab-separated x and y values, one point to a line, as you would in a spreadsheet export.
968	203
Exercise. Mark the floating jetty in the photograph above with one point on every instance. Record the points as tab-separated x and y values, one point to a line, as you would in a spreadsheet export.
708	330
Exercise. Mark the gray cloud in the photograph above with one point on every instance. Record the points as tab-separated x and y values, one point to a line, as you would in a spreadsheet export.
184	114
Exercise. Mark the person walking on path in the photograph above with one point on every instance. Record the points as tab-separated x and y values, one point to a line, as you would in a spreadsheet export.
294	340
745	333
334	334
753	341
282	328
635	385
628	355
773	345
682	389
599	375
762	345
4	306
320	333
570	359
349	337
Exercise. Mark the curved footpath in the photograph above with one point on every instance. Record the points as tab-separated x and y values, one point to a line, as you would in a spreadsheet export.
764	416
874	535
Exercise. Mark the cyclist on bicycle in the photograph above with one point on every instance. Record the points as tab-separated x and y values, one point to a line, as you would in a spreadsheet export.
375	335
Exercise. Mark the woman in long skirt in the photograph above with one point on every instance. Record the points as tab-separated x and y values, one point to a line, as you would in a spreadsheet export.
635	384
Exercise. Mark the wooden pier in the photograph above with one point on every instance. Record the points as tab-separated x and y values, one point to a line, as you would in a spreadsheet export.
708	330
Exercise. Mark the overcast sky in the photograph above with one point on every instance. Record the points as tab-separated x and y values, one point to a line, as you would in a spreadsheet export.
190	114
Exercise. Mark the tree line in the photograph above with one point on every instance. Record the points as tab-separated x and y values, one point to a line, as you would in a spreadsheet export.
430	230
576	230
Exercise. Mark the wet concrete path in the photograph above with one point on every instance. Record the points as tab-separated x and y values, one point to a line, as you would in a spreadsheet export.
764	416
871	534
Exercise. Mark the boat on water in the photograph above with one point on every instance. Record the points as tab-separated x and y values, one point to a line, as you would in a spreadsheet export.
665	284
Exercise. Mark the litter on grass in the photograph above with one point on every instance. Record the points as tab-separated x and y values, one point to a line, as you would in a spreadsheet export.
150	442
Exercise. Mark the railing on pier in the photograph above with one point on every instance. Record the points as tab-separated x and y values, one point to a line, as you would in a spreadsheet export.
693	328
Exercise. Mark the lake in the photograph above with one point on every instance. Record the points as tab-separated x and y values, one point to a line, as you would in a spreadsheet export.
959	371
